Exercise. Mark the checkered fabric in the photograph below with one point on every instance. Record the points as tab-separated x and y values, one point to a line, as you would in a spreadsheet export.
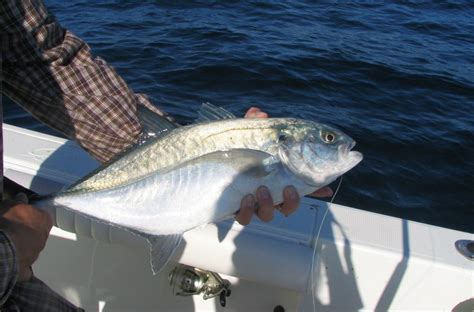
8	268
33	295
52	74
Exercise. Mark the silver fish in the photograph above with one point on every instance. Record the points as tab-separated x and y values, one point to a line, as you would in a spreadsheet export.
198	174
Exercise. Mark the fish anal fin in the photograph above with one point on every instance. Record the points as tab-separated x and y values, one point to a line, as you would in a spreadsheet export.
162	248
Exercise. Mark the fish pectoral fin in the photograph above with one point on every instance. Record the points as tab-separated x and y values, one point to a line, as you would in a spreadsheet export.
248	161
209	112
162	248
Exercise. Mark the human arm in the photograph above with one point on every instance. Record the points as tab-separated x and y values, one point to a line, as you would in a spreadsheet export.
24	230
52	74
262	204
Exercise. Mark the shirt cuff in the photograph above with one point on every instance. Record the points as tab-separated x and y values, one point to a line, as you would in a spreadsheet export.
8	267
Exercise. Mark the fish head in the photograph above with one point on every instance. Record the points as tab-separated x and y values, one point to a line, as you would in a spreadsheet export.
317	153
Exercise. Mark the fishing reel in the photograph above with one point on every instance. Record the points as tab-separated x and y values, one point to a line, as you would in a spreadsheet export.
189	281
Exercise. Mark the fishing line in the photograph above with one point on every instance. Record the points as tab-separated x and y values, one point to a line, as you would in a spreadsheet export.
313	295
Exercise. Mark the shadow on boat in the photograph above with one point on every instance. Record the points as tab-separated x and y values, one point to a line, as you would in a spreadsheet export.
334	271
395	280
334	286
334	283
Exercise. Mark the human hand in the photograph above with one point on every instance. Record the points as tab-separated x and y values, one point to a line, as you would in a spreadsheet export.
262	203
255	112
28	229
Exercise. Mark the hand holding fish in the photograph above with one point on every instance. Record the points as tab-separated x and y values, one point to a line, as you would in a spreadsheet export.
28	229
262	205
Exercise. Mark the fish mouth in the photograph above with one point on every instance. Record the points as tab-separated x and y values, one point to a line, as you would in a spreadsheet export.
355	156
345	149
349	157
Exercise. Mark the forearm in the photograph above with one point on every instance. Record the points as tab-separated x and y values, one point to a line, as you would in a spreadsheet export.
54	76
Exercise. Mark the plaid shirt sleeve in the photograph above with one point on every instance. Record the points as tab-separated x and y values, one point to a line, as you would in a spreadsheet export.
32	295
52	74
8	268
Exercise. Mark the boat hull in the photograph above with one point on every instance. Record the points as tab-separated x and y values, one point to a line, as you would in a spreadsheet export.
363	260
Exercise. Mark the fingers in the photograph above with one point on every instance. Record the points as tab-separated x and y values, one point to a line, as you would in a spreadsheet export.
255	112
247	209
323	192
21	198
291	201
261	205
265	204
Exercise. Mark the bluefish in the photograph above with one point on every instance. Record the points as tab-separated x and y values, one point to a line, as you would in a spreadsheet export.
198	174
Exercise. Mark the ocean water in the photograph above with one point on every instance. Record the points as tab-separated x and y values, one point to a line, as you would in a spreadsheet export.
398	77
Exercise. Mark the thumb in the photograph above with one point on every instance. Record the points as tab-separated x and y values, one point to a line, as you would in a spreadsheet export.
21	198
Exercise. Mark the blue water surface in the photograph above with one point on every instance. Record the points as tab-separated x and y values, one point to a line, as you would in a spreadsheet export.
397	77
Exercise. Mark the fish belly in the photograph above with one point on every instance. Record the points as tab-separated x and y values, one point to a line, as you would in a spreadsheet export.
208	189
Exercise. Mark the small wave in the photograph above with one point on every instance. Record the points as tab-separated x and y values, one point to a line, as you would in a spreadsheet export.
430	27
396	76
205	33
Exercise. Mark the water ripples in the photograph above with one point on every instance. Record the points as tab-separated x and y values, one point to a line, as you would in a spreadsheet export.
395	76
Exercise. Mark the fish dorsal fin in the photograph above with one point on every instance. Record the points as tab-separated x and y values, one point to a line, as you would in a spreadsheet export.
209	112
153	125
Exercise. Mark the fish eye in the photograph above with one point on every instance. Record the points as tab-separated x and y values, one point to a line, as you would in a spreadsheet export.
282	138
328	137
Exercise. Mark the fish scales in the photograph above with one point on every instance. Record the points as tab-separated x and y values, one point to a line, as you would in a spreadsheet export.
201	191
184	144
